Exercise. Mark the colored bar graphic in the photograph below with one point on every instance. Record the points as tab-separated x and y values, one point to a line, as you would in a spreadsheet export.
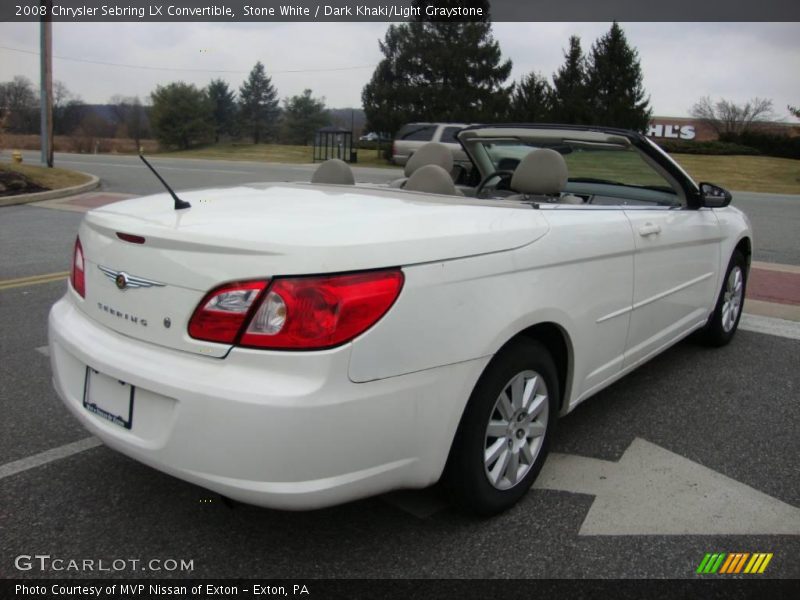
727	564
767	558
755	562
741	562
730	564
710	563
703	563
724	563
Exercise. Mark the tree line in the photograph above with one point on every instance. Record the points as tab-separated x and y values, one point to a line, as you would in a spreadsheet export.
179	115
183	115
432	70
454	71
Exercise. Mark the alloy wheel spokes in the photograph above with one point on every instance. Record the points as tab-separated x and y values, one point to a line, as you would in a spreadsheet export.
515	431
732	300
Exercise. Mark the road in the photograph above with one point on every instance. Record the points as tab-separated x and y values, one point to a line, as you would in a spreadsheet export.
732	412
775	218
127	174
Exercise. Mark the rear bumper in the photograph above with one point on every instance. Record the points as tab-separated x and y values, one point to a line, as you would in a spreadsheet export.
278	429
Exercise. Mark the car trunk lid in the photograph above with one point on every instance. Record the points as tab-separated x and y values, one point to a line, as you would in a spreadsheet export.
149	290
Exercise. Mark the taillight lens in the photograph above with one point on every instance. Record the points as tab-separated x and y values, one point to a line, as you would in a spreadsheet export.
320	312
300	313
222	313
78	274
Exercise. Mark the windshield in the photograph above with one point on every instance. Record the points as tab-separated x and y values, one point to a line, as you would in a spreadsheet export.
586	162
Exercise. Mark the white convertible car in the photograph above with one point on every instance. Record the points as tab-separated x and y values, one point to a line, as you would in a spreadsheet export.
301	345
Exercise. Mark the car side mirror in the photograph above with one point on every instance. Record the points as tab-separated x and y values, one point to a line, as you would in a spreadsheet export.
713	196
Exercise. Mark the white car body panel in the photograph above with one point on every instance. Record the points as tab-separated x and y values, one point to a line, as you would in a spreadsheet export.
306	429
249	233
677	268
233	425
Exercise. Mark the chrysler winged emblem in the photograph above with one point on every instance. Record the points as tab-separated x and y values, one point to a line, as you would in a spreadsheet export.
125	281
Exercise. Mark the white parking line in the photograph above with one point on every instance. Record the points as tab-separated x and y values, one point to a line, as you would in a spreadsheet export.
770	326
48	456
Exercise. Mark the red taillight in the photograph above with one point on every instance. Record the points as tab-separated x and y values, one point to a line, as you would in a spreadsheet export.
222	313
77	276
301	313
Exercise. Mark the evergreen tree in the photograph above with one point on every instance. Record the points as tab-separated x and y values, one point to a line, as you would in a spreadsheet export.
181	115
437	71
570	101
302	116
258	104
614	83
532	100
223	108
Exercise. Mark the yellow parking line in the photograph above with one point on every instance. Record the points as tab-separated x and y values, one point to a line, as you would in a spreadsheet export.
7	284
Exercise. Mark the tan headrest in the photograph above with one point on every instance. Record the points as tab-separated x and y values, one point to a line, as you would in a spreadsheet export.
432	179
334	170
542	172
432	153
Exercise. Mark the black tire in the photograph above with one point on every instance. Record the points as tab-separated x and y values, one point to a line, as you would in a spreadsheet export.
720	328
468	476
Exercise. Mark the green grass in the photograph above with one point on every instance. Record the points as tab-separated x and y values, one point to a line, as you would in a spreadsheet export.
276	153
52	179
624	166
745	173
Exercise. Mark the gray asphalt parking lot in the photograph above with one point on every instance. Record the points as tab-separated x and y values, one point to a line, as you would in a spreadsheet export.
720	424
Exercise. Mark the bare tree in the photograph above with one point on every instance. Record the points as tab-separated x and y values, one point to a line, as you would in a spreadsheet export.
795	111
61	94
118	109
20	105
136	121
728	117
130	117
68	109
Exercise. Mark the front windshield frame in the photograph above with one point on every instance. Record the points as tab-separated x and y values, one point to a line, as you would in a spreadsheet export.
470	138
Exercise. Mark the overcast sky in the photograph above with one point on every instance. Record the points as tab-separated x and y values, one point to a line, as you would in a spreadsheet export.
681	61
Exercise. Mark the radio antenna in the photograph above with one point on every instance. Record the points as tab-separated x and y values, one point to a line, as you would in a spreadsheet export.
179	204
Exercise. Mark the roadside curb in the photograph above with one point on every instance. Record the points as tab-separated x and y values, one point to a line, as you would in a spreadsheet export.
93	183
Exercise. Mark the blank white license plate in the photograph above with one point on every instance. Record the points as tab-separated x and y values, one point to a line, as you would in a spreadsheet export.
109	398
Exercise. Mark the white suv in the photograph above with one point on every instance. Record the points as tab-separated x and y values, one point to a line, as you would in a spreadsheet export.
414	135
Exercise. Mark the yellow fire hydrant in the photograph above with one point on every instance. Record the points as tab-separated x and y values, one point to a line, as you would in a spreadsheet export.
16	156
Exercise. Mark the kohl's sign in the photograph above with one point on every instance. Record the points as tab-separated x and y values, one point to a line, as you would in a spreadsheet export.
667	130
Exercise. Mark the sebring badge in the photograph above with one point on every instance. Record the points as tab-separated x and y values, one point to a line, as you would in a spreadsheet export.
124	281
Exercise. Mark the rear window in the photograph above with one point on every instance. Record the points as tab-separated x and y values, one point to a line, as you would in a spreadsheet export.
416	132
449	135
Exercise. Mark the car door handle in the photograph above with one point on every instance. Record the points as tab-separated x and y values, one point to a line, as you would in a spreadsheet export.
649	229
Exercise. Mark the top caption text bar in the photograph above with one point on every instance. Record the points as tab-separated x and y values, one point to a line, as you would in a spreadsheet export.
397	11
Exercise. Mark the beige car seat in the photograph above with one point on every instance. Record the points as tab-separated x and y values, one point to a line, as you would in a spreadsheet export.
542	172
335	171
432	153
431	179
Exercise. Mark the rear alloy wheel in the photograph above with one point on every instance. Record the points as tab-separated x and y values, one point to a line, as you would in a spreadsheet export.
723	322
515	432
502	440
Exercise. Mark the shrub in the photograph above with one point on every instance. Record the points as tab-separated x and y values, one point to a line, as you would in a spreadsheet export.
769	144
710	147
